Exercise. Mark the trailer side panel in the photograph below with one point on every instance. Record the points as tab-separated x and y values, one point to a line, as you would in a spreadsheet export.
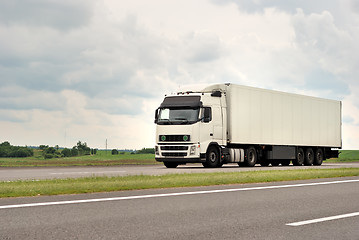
260	116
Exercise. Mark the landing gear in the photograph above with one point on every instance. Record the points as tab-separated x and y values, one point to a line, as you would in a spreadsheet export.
275	163
264	163
285	162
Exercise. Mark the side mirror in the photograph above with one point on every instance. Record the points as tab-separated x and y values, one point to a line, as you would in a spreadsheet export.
207	115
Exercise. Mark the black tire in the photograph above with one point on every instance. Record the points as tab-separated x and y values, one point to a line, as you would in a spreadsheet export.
285	162
309	157
170	164
251	157
319	157
300	158
212	158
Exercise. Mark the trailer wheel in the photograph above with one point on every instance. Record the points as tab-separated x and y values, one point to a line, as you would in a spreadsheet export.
318	159
170	164
251	158
212	158
300	158
309	157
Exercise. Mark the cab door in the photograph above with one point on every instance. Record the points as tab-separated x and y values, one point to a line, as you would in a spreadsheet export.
206	128
211	129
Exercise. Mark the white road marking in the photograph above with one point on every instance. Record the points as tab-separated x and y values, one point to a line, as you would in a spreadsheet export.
295	224
63	173
172	194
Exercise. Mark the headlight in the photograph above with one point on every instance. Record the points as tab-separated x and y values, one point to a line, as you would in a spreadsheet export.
192	150
156	150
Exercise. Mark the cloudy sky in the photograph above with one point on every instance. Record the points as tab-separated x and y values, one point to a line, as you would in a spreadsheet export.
93	70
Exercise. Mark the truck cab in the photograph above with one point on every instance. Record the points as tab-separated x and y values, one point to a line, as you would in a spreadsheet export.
188	124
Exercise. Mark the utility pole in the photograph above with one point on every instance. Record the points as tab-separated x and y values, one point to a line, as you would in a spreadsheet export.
106	144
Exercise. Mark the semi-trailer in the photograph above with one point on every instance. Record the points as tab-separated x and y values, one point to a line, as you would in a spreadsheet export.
230	123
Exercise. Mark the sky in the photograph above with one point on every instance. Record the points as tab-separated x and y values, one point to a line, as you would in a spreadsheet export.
91	70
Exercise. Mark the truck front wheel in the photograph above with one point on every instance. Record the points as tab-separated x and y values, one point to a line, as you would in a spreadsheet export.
212	158
170	164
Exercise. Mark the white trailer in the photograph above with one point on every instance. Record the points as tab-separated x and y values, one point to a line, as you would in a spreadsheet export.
228	123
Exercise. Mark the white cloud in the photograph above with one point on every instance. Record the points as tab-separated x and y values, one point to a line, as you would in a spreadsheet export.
202	47
64	15
20	98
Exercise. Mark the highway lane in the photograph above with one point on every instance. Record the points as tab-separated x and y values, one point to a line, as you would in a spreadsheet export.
249	211
12	174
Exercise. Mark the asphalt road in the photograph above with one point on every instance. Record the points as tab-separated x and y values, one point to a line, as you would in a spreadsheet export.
250	211
12	174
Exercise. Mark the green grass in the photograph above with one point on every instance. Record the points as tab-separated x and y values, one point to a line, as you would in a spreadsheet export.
346	156
108	184
102	158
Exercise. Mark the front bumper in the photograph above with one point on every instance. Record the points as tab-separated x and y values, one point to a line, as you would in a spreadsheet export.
181	160
184	153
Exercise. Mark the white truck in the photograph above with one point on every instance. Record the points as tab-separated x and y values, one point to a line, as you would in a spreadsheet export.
229	123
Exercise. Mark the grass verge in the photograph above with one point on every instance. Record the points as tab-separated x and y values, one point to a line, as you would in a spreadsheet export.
346	156
102	158
108	184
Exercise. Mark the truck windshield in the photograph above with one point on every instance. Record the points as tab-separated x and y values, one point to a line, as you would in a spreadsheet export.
178	115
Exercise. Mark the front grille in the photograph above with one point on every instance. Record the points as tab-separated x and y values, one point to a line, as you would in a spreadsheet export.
174	154
174	148
174	138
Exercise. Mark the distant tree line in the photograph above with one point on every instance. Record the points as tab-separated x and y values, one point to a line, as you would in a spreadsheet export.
142	151
7	150
146	151
80	149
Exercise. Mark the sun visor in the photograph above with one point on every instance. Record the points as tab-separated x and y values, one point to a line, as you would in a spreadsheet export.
182	101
